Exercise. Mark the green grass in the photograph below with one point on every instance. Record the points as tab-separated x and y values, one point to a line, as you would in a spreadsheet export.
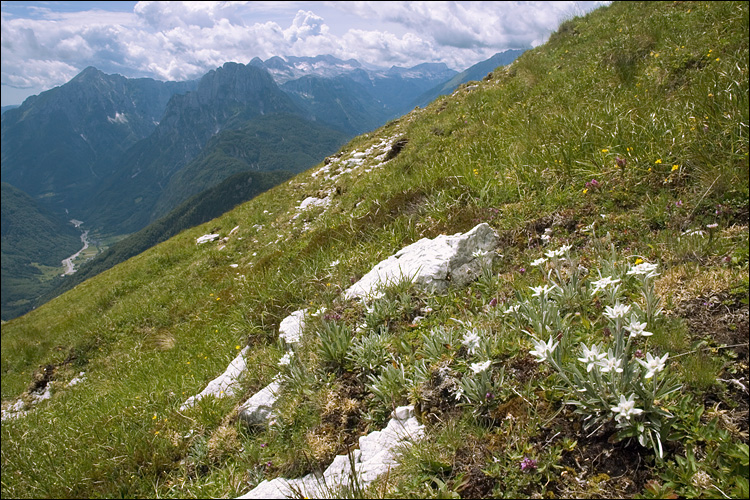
655	84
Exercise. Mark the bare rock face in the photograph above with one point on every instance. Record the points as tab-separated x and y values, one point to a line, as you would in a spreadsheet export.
432	264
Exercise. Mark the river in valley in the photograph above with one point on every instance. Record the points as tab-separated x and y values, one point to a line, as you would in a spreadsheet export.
68	263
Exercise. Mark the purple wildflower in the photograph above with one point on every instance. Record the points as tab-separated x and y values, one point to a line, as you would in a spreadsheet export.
528	464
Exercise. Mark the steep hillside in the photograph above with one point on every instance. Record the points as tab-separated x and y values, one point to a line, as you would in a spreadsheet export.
602	353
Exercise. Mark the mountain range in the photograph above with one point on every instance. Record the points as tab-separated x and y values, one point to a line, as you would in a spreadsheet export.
121	153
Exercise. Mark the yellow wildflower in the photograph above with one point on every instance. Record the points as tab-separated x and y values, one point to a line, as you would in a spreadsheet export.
586	190
658	161
675	167
718	59
638	261
236	347
605	150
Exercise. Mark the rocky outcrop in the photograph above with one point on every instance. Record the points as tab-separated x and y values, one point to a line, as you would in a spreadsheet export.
432	264
223	385
258	409
375	456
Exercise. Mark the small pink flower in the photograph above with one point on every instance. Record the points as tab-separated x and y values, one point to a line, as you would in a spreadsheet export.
528	464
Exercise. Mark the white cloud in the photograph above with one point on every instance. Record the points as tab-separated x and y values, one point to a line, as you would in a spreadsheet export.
184	40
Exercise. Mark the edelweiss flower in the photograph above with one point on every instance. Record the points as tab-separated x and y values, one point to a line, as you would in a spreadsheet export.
479	253
542	350
286	358
644	268
619	311
610	363
592	357
541	290
539	261
512	309
552	254
635	328
480	367
471	341
626	408
603	283
653	365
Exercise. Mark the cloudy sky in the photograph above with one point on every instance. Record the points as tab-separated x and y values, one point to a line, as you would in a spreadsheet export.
45	44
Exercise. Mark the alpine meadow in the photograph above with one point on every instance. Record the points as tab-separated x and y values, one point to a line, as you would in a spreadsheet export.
595	344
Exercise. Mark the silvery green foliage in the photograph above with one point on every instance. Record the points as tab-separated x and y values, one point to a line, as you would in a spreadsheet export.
605	382
335	339
390	385
438	343
370	353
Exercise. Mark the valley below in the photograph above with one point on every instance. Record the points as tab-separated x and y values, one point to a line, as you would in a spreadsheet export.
68	263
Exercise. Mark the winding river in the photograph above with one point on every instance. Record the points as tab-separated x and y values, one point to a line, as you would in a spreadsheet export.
68	263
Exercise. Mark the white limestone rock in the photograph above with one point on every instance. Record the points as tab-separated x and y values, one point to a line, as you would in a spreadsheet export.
377	454
432	264
258	409
223	385
292	326
206	238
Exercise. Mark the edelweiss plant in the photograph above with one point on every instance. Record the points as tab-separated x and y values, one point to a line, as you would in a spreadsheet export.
611	381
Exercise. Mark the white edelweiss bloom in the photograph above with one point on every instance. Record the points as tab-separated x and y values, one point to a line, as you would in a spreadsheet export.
480	367
555	253
471	341
564	248
479	253
644	268
619	311
512	309
459	393
626	408
653	365
610	363
603	283
635	328
542	350
286	358
694	232
592	357
541	290
539	261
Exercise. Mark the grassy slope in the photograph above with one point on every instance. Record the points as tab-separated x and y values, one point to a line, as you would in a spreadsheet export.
657	84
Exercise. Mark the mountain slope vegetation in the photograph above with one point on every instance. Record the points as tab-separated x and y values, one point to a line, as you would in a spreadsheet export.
621	142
